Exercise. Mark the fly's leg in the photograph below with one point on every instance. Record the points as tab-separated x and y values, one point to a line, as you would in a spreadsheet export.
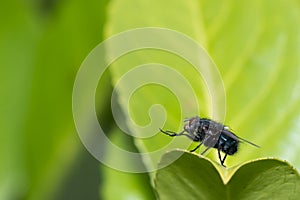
222	162
219	154
205	151
172	134
220	158
196	147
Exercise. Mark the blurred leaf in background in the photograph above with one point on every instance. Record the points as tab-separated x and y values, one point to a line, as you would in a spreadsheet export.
42	45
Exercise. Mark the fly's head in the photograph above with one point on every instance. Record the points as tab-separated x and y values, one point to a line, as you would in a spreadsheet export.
192	125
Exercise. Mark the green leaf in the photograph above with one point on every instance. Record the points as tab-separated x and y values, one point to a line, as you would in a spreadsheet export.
194	177
255	45
17	43
62	44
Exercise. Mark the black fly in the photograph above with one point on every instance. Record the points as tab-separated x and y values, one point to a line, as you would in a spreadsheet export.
212	135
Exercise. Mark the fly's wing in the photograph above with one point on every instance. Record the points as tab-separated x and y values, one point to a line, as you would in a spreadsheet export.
232	135
246	141
210	140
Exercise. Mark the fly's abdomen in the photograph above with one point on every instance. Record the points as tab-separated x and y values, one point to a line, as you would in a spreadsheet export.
227	145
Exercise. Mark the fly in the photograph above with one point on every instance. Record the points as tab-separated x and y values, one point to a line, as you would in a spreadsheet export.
212	135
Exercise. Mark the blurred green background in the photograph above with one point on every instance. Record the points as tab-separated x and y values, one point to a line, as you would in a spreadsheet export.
255	44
